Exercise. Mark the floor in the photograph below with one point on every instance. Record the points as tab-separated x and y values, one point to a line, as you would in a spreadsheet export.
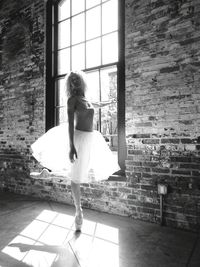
40	233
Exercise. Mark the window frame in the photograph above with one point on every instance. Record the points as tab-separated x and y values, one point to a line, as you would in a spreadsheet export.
50	79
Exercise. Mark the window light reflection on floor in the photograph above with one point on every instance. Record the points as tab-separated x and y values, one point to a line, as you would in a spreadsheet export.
50	241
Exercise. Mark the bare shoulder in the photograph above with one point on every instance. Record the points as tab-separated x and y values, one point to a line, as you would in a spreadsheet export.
83	102
71	102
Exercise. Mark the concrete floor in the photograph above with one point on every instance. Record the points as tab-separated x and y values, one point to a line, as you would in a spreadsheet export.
41	234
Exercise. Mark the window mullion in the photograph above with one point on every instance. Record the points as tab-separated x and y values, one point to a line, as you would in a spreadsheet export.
121	86
101	64
100	99
70	35
101	33
85	35
55	69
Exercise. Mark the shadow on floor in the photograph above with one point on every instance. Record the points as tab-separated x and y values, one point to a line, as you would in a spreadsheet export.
40	233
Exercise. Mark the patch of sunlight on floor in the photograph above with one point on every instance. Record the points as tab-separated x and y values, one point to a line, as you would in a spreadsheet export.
104	254
97	245
47	216
40	243
51	241
107	232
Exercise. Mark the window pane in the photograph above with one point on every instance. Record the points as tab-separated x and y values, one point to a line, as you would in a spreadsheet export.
78	29
110	48
64	34
93	94
91	3
77	6
61	115
78	57
109	83
93	23
93	53
93	85
52	43
52	65
109	113
105	119
63	9
109	23
63	61
61	96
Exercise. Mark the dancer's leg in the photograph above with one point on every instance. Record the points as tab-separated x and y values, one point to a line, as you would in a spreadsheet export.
76	193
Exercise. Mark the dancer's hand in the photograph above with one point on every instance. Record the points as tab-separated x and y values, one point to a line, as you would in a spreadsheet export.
113	100
73	154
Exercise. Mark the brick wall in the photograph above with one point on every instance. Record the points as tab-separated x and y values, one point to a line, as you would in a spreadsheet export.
162	110
21	81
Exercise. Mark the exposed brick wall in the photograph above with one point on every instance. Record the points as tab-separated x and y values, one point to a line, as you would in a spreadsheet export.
162	107
162	110
21	81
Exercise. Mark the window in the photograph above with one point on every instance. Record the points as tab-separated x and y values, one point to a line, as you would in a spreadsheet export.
88	35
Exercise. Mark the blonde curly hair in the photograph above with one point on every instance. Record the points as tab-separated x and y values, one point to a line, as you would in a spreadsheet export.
75	83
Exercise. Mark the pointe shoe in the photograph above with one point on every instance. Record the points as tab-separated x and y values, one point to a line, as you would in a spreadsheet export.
43	174
79	221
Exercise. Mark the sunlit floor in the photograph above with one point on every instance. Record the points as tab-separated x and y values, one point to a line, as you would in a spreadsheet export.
41	234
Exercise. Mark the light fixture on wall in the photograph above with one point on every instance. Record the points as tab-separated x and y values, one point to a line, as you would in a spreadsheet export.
162	190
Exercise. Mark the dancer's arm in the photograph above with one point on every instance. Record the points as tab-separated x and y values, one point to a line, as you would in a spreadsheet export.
70	112
103	103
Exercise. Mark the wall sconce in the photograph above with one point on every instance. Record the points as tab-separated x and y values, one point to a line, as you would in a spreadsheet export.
162	190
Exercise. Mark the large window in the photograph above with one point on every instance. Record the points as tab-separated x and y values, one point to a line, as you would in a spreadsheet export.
85	35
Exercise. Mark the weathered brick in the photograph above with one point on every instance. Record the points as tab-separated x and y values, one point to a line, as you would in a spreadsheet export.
169	69
150	141
190	166
125	190
148	187
182	172
160	170
170	141
142	169
196	173
150	164
147	175
181	159
135	152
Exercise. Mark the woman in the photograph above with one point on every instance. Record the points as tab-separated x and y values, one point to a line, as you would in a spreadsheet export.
89	157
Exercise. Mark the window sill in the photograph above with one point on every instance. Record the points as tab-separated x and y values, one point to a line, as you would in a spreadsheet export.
59	177
118	176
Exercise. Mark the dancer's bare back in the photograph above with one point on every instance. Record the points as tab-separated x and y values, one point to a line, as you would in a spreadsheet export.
81	112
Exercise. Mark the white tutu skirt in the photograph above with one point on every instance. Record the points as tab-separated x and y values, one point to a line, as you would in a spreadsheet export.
95	160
